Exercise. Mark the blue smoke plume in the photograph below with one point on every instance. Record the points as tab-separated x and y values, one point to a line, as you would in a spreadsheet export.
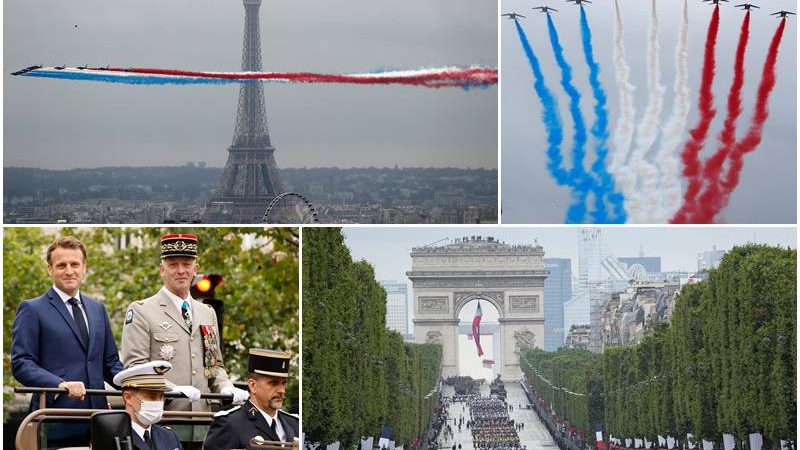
581	181
605	187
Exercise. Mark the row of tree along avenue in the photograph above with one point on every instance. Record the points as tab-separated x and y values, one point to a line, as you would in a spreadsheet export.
724	369
358	377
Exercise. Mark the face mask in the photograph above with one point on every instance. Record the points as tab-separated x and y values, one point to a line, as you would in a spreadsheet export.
150	412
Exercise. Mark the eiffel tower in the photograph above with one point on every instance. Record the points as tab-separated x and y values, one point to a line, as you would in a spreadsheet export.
250	179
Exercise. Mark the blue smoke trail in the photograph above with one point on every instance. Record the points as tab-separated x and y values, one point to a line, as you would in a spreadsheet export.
550	116
580	179
605	187
133	79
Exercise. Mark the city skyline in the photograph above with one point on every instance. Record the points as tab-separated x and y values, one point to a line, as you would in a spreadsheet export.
389	252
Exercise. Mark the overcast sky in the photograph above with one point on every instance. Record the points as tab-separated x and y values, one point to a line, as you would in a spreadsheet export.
388	249
61	124
767	191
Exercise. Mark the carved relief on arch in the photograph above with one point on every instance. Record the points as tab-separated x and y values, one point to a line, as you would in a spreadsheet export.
524	338
433	337
496	298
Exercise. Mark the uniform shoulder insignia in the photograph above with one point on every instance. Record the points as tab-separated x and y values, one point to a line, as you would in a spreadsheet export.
129	317
225	412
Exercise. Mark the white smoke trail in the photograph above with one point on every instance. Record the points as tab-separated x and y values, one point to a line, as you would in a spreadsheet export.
623	133
647	173
667	157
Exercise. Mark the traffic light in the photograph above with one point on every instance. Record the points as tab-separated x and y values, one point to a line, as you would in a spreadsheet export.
204	286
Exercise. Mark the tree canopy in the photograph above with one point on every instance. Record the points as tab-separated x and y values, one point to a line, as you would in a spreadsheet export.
357	375
725	364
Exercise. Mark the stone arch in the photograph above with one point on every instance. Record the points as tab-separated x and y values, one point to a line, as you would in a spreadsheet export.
509	277
461	299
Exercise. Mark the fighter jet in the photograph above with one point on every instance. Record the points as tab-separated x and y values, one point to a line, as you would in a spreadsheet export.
782	13
746	6
512	16
544	9
714	2
27	69
579	2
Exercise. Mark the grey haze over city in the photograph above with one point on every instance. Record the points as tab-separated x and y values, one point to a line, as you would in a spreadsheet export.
766	193
388	249
58	124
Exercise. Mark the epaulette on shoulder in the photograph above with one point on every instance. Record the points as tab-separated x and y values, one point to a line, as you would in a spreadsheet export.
139	302
225	412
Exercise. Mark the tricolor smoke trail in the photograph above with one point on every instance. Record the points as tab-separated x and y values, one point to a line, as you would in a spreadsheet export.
623	133
712	170
690	154
580	179
642	198
550	114
666	157
605	183
753	137
432	78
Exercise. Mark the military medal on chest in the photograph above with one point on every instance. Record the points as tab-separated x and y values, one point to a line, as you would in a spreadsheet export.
210	346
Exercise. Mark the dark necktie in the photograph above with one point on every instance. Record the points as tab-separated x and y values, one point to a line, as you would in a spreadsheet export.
274	430
148	440
77	314
186	317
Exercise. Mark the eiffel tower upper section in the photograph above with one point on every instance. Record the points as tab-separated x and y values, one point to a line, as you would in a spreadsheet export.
250	179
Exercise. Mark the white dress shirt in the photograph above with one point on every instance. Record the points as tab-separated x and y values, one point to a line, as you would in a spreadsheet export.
178	302
65	298
138	429
278	427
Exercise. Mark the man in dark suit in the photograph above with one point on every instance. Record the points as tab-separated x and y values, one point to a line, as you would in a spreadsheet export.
143	389
260	417
63	339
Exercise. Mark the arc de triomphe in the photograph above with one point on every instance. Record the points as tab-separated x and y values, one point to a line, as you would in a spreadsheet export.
510	277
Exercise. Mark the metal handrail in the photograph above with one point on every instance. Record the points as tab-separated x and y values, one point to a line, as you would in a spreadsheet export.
112	393
65	413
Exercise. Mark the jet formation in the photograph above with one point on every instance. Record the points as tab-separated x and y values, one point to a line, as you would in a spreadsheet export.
749	7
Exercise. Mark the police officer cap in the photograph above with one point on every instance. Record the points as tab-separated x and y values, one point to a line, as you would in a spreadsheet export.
148	376
269	362
179	245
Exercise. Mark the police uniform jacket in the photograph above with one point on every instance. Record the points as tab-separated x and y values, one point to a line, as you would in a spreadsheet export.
163	439
154	329
235	428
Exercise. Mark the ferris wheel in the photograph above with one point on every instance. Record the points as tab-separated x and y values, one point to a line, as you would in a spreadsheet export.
290	208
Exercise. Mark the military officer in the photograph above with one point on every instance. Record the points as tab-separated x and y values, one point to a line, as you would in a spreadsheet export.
260	417
143	389
172	326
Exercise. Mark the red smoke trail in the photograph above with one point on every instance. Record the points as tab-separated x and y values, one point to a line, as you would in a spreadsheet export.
691	150
712	171
753	137
443	78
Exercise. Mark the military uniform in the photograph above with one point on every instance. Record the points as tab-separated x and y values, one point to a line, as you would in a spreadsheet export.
235	428
155	330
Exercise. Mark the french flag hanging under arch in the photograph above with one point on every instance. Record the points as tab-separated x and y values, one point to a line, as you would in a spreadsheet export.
476	329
